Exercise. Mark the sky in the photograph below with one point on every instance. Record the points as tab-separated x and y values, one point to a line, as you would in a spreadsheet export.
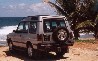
23	8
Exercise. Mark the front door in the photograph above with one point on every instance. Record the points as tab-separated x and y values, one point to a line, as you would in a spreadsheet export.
24	35
18	36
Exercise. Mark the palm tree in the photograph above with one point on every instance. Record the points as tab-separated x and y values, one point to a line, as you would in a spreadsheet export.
76	11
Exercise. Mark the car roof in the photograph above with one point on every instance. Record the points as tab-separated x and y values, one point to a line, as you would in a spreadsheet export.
36	18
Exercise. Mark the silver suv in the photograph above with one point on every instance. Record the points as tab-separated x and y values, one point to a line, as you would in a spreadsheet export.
41	33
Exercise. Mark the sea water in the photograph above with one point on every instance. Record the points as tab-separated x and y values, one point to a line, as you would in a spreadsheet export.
7	25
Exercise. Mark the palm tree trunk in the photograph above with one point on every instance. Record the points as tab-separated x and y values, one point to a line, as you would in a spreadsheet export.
76	34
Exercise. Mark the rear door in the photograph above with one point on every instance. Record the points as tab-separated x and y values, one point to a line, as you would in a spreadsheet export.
30	35
50	24
33	32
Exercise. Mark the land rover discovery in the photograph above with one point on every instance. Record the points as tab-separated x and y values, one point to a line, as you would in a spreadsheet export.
42	33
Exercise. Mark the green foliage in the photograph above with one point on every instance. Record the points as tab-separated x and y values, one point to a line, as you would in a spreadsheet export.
96	20
85	24
78	12
86	41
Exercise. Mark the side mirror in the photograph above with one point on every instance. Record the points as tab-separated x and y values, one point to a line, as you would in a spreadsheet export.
17	27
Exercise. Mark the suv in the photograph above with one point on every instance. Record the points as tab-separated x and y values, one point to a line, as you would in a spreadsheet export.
42	33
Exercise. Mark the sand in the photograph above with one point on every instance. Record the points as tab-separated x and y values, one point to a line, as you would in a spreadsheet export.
79	52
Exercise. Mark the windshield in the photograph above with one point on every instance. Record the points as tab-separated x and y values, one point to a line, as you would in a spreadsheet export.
51	24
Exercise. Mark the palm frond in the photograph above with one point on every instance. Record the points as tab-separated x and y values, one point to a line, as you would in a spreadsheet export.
85	24
60	10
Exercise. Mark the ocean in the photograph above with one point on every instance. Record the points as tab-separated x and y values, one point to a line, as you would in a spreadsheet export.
7	25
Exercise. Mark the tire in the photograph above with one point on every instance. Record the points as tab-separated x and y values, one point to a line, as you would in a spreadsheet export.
30	51
60	34
10	44
62	52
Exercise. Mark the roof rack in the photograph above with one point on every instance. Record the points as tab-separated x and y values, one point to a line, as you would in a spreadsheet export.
38	15
42	15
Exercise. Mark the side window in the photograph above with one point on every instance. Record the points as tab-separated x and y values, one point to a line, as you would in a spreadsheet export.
26	27
20	26
23	27
62	24
47	26
54	24
33	27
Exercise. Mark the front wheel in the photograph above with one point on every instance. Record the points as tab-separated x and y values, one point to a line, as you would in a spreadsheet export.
10	46
30	51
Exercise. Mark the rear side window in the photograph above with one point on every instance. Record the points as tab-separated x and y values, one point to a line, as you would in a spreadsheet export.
33	27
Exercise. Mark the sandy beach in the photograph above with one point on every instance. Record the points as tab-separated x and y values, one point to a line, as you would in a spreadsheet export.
79	52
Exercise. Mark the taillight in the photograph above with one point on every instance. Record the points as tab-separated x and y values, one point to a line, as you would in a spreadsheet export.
71	35
39	37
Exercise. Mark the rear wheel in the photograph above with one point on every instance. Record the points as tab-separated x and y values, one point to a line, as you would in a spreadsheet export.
30	51
62	52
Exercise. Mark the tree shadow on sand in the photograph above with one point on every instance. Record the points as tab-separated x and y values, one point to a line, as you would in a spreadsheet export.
23	56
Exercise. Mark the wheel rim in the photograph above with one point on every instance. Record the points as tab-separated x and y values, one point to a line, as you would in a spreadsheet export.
10	46
62	34
30	51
